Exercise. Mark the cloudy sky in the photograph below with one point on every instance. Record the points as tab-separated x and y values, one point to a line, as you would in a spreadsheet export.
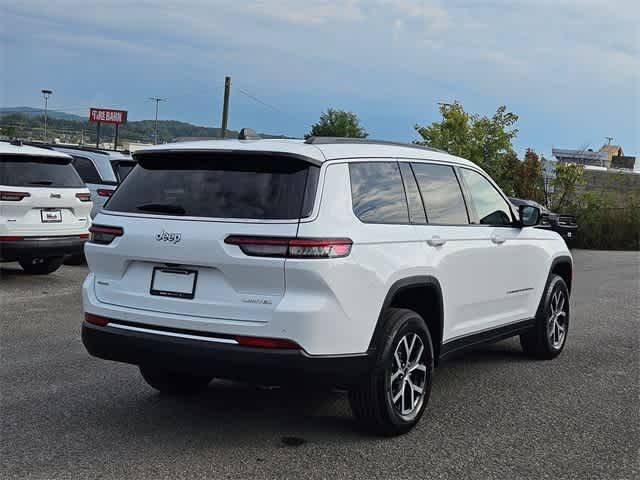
569	68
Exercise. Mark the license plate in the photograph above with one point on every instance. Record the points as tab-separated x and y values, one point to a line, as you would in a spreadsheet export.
51	216
173	282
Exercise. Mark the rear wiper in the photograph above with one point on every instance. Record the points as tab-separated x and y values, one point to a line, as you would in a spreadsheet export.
41	182
162	208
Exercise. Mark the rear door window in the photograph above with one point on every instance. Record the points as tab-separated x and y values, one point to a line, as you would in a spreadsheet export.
218	185
32	171
414	200
377	192
86	169
441	193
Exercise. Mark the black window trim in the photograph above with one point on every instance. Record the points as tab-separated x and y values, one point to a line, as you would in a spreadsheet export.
463	187
406	196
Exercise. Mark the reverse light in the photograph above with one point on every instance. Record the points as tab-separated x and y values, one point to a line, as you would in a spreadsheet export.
291	247
96	319
259	342
103	234
105	192
83	197
14	196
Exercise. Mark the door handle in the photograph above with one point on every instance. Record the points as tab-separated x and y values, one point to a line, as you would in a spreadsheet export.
436	241
497	239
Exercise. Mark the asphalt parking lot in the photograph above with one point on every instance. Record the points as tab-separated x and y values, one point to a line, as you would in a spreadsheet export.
493	412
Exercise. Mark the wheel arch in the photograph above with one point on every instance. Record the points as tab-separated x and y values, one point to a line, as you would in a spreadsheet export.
421	294
563	266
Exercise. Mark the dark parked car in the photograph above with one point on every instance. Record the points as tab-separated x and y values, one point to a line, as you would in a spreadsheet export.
565	225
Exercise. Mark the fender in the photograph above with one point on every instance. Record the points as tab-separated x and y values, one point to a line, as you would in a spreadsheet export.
399	286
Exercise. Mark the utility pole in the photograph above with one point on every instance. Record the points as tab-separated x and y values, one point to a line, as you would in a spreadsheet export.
46	94
225	106
157	100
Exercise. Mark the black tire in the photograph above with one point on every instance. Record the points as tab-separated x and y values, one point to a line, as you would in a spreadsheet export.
540	342
77	259
371	400
40	266
175	383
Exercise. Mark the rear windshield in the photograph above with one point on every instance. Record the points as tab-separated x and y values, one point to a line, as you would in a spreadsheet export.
122	168
218	185
31	171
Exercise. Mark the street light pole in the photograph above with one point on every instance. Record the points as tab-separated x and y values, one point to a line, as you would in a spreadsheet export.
46	94
157	100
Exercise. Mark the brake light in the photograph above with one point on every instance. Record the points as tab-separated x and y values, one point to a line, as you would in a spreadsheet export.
84	236
14	196
10	238
83	197
259	342
292	247
95	319
104	235
105	192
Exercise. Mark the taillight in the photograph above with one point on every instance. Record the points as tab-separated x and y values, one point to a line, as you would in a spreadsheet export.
11	238
291	247
96	319
105	192
104	235
260	342
14	196
83	197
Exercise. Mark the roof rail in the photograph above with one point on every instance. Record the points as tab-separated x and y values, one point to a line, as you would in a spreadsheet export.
366	141
51	146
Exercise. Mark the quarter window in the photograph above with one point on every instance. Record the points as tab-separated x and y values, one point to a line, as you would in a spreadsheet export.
441	193
489	205
377	192
86	169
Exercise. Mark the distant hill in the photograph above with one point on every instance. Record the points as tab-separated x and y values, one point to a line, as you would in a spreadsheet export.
36	112
26	123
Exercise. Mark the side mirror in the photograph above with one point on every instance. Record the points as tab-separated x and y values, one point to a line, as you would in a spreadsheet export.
529	215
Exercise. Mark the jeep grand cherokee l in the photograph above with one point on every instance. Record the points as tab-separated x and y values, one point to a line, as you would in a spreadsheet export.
360	264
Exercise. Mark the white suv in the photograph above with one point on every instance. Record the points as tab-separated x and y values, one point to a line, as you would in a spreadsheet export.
44	208
358	264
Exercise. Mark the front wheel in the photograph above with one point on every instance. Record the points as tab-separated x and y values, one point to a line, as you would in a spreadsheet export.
549	336
40	266
167	381
394	396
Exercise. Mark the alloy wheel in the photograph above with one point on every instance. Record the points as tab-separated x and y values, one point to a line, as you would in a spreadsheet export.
557	320
408	376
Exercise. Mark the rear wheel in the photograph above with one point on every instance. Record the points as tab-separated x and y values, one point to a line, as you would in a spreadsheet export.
394	396
40	266
167	381
549	336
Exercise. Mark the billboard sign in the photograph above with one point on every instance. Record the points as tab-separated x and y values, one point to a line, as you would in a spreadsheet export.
107	115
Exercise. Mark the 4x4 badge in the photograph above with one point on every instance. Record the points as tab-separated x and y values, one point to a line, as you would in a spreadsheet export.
168	237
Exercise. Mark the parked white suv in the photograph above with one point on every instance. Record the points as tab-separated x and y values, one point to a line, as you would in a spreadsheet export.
44	208
355	263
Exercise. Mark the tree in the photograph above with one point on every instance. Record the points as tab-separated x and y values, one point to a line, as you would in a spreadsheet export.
569	177
531	182
337	123
483	140
511	175
10	131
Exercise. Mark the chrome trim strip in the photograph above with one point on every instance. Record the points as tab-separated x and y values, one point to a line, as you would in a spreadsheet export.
171	334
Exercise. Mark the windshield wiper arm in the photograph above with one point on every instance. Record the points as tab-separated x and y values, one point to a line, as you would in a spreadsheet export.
162	208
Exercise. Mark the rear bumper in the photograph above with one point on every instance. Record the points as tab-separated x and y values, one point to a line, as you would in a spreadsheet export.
41	247
219	359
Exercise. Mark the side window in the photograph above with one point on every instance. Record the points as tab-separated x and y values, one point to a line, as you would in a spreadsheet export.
489	205
377	192
442	195
414	200
86	170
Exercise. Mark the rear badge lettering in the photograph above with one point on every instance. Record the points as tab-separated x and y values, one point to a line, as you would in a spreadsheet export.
168	237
